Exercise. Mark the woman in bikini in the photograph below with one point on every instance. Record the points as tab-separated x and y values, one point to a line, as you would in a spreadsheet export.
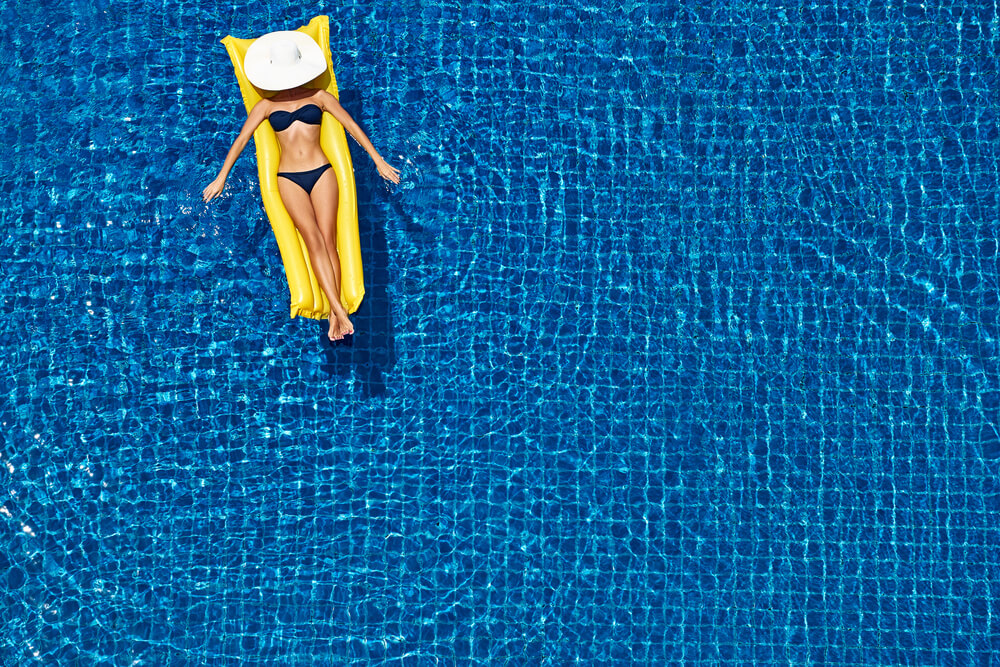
307	184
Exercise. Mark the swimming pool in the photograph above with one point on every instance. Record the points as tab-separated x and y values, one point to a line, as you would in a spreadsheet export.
679	343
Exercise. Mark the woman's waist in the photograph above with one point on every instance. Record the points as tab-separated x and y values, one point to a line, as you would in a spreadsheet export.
302	162
302	159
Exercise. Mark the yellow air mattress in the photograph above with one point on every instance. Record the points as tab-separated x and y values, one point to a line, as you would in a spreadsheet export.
307	299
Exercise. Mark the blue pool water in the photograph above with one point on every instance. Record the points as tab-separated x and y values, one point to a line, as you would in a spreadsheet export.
679	343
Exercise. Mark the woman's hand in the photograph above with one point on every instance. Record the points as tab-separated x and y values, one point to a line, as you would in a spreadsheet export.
387	171
214	189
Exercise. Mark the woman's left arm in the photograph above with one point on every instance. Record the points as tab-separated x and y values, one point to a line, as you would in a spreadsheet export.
332	105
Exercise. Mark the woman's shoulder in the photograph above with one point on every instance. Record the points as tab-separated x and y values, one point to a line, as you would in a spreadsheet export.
263	106
322	98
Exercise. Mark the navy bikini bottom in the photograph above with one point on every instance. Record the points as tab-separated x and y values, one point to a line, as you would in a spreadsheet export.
305	179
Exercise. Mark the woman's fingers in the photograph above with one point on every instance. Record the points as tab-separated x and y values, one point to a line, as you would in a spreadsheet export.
211	191
389	172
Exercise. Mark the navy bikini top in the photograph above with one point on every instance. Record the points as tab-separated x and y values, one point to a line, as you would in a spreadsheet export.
310	113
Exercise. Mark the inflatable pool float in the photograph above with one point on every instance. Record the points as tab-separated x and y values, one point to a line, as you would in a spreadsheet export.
307	299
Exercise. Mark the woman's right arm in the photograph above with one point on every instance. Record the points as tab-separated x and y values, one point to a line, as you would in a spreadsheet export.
255	118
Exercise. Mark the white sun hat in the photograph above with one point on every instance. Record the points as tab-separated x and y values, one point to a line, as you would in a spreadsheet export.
283	59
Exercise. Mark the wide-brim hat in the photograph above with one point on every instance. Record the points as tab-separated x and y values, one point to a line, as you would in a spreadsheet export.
283	59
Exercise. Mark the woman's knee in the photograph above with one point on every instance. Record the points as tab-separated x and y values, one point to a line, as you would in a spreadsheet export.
313	238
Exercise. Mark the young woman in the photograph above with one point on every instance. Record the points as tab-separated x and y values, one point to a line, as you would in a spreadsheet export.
285	62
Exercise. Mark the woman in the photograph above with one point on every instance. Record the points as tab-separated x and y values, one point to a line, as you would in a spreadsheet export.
285	61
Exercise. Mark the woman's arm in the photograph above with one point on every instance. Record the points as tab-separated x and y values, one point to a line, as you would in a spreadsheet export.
331	104
255	118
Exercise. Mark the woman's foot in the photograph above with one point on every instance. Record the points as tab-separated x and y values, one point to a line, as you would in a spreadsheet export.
340	326
345	326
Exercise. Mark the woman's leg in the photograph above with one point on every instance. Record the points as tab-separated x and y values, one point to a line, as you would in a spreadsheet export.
325	200
299	206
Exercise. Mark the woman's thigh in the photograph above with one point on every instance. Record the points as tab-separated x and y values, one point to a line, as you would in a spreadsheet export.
325	199
300	207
